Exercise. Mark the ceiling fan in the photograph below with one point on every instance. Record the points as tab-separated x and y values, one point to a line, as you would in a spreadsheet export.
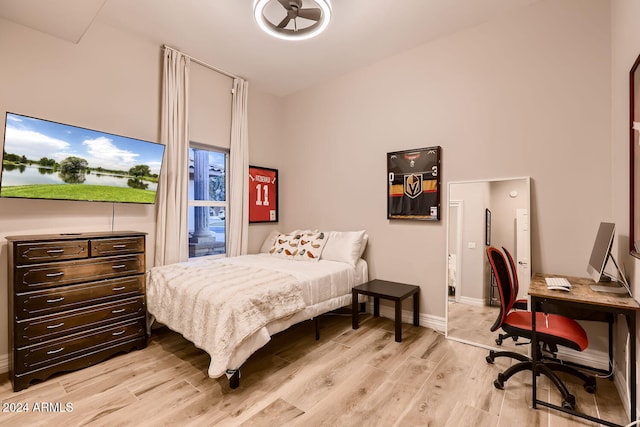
295	10
314	19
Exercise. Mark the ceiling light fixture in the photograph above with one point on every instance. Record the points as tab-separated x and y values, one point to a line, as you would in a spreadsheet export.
292	21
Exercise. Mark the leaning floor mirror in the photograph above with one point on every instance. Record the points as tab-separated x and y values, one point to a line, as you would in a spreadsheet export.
482	213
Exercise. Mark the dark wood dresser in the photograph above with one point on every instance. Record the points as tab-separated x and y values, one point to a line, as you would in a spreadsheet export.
74	300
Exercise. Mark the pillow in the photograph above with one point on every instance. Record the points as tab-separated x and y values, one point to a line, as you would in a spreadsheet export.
345	246
269	242
286	245
311	245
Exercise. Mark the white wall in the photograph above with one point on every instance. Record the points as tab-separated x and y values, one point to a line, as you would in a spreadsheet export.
265	140
527	94
110	81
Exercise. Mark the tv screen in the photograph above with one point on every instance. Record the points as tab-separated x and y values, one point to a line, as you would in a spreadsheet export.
42	159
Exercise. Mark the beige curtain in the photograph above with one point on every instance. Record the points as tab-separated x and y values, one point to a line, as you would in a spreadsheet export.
171	215
239	171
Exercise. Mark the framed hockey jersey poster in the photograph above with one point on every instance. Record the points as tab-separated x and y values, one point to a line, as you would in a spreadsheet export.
263	194
413	184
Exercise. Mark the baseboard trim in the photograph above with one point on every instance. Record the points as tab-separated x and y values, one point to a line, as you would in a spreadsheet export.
589	357
620	381
478	302
434	322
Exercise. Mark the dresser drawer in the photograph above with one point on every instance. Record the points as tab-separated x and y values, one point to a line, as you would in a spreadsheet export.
28	332
122	245
33	252
28	278
77	345
55	300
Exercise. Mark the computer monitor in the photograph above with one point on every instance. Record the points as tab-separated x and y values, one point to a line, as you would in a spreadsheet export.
600	255
601	250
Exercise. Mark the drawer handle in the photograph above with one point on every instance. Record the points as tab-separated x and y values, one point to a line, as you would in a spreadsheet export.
55	300
119	246
55	326
55	251
58	274
117	311
115	334
115	267
55	351
119	288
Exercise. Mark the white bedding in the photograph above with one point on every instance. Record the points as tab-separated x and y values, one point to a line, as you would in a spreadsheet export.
181	296
320	281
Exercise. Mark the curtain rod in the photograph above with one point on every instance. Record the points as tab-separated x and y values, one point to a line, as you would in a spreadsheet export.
204	64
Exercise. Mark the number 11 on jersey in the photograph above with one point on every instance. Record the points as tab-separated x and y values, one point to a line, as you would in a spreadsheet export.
260	189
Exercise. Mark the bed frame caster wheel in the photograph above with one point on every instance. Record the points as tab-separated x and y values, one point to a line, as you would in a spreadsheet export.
234	379
491	357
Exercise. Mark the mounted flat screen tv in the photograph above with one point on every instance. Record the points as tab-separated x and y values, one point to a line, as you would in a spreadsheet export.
42	159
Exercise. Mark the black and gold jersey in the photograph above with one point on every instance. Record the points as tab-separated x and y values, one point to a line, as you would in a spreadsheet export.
413	184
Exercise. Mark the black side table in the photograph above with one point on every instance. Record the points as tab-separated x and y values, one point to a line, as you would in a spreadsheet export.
387	290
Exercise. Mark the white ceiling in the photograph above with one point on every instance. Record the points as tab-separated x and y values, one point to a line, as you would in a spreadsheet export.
223	33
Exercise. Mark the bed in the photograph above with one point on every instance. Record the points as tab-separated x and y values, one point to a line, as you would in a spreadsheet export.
230	307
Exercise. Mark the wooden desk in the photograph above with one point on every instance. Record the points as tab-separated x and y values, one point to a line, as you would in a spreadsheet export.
582	297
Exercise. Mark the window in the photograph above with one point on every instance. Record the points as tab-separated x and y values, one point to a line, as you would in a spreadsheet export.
207	201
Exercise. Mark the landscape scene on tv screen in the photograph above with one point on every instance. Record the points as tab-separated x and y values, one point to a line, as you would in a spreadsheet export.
48	160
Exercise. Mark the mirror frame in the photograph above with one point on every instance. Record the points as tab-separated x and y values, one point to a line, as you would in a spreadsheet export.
447	216
634	165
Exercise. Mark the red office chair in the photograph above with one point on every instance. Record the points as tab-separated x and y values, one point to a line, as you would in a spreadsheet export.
551	330
518	304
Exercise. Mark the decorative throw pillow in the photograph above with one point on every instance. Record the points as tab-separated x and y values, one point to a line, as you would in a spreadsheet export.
286	245
345	246
269	242
311	246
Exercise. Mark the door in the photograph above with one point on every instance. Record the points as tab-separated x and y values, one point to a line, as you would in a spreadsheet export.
454	262
523	251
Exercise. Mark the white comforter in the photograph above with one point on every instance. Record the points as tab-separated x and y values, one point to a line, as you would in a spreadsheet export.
216	305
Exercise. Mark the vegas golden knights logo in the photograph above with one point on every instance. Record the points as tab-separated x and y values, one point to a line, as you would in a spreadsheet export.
413	185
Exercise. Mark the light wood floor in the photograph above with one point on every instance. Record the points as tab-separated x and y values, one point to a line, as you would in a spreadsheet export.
348	378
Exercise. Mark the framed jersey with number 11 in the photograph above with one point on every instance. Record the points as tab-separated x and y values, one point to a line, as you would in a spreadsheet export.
263	194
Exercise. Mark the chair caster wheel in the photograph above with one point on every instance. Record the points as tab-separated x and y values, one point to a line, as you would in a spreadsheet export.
499	341
569	402
590	386
499	382
489	359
